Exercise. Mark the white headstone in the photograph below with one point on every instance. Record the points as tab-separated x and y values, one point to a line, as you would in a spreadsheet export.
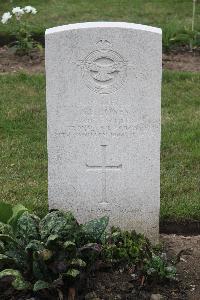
103	109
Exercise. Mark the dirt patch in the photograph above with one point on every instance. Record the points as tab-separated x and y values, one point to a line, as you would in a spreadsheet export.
187	61
10	63
189	266
116	285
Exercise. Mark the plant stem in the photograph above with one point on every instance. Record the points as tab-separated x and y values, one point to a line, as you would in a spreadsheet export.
193	14
71	294
193	23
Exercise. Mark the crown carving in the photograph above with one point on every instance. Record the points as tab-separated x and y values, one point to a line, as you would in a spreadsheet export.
104	44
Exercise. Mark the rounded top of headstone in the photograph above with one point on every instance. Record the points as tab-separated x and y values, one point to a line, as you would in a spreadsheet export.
87	25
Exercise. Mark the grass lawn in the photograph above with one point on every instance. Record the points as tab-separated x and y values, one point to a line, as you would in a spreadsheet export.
180	147
171	15
23	160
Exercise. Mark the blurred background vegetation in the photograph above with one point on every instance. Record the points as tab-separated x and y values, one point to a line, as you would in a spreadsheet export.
173	16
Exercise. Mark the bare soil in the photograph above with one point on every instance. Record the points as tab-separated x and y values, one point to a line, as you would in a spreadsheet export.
189	266
12	63
186	61
34	63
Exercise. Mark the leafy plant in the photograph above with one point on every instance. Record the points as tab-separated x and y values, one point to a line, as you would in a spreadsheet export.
134	252
50	256
125	247
47	255
169	38
174	35
188	37
10	214
19	17
158	269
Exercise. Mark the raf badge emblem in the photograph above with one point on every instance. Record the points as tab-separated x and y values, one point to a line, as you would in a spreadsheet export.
104	70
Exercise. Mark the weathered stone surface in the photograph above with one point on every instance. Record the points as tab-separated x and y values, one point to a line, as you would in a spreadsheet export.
103	108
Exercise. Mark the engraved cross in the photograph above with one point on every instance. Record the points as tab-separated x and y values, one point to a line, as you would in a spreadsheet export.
104	167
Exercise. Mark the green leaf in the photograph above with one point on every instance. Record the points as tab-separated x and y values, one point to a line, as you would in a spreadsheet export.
58	223
34	245
78	262
171	272
69	245
94	229
6	259
37	270
27	228
52	240
18	281
2	247
5	229
72	273
7	238
17	211
18	254
41	285
5	212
